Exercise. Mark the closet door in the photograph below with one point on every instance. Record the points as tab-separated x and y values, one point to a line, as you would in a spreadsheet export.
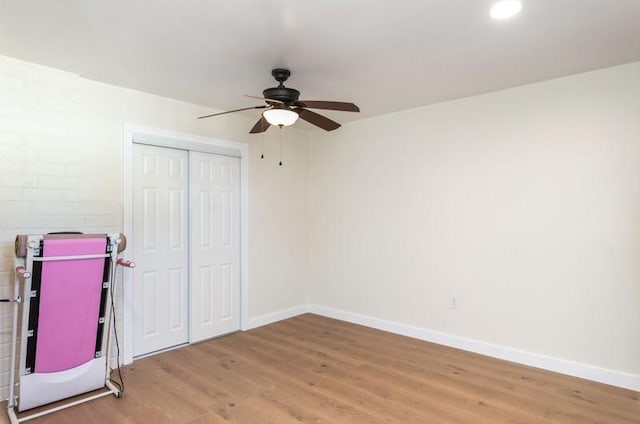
215	245
160	248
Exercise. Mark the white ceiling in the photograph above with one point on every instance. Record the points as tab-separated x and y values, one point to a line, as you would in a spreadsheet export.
383	55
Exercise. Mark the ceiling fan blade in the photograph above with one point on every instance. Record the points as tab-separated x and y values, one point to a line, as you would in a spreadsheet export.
265	99
261	126
317	120
319	104
235	110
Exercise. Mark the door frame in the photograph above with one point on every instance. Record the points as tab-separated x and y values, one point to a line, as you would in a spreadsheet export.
190	142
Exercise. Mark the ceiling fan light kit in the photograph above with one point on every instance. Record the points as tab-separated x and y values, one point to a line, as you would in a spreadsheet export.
280	117
283	107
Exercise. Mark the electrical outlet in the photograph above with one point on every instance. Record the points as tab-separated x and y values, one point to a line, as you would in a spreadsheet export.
453	302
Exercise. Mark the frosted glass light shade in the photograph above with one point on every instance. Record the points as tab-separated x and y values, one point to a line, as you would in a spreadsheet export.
280	117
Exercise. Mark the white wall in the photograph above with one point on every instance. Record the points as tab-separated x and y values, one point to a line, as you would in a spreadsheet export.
523	203
278	229
61	143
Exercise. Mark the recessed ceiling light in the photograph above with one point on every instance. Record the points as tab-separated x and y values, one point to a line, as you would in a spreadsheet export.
505	9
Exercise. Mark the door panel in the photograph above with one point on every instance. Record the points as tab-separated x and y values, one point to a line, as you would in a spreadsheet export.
160	248
215	245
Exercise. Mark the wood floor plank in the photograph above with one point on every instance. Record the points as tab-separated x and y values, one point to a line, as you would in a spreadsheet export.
312	369
397	398
412	388
532	384
283	373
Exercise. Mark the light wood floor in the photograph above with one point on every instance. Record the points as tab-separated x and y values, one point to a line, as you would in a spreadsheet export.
311	369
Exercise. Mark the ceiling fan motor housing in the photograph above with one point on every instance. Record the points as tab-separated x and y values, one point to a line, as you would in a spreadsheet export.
284	94
281	93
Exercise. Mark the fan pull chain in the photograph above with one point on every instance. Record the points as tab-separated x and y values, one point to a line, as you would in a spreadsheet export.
280	145
262	145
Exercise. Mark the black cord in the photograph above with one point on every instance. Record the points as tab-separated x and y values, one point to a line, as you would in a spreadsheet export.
119	385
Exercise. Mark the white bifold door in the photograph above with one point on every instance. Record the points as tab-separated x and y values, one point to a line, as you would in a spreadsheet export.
186	245
215	252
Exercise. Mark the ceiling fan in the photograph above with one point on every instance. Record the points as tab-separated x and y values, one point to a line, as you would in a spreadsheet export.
283	107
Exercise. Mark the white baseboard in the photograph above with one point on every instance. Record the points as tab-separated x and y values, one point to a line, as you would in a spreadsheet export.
562	366
276	316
